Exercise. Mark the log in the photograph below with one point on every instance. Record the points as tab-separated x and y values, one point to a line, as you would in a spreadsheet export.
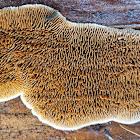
17	121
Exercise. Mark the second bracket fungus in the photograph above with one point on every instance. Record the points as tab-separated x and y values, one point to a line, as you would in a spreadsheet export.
70	74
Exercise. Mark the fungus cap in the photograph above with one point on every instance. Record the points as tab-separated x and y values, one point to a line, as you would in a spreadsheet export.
70	74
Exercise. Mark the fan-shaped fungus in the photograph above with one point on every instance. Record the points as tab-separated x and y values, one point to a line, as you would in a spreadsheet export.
70	74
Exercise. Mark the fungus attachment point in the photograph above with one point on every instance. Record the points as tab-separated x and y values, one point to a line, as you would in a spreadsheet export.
70	74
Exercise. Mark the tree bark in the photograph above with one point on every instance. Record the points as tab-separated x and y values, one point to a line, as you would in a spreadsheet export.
16	120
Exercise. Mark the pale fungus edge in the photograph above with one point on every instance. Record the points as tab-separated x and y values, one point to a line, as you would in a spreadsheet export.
10	98
61	127
70	23
106	120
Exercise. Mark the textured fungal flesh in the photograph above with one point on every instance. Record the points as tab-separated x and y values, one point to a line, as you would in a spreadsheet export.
70	74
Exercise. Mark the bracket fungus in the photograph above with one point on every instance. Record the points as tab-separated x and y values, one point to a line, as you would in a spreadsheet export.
70	74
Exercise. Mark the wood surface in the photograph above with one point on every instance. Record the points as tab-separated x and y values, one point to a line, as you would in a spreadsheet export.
16	120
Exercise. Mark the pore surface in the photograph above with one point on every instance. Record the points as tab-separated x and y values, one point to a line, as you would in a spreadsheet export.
71	75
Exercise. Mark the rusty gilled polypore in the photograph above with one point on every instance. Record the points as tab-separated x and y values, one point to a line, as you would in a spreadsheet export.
70	74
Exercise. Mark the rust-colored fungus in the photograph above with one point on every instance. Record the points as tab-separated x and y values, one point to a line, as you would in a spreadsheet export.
71	75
